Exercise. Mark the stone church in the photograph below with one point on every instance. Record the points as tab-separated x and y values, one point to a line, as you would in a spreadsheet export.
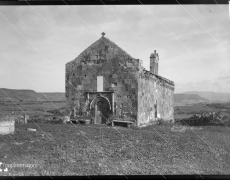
105	81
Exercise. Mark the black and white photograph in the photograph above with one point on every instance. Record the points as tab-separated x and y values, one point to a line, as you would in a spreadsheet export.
110	89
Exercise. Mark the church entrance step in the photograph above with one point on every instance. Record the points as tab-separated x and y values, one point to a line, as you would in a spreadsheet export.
122	123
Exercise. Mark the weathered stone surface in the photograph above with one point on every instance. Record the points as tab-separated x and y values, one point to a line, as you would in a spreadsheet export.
128	87
7	127
155	100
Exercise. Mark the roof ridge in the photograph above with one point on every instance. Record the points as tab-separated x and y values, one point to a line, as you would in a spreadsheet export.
158	76
118	46
87	48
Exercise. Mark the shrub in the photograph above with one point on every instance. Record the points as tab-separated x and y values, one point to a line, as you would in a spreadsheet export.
160	121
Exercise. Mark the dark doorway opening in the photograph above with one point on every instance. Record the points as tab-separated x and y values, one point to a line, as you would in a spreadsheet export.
155	110
101	112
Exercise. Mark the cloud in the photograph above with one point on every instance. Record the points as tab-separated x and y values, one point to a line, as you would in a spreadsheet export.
217	85
134	28
224	78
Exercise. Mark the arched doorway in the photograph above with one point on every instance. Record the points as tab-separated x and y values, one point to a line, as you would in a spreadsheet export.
101	108
101	112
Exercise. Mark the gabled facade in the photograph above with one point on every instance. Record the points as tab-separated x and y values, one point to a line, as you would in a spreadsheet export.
104	80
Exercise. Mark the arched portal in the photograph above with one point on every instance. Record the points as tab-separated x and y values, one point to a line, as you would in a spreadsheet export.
100	108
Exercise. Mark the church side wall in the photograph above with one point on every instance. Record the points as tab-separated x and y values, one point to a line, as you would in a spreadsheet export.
155	101
146	101
165	103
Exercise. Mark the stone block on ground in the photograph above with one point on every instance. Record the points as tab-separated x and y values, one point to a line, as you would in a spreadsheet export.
7	127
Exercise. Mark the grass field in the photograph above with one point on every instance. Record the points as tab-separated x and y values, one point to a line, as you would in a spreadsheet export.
70	149
185	111
42	108
31	108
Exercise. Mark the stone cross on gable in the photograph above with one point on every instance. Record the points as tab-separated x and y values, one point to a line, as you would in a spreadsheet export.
103	34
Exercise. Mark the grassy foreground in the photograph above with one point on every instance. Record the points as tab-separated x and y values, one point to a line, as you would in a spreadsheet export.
60	149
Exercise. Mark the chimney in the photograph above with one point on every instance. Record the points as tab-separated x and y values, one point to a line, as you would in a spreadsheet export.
154	58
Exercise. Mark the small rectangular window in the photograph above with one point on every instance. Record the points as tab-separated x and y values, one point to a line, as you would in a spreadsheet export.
99	83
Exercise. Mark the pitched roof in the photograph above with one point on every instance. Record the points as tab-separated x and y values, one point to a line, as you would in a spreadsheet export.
106	42
163	79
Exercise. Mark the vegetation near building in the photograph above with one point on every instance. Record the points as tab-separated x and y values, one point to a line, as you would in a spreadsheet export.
105	81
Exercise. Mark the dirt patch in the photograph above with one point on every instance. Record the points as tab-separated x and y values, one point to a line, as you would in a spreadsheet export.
179	128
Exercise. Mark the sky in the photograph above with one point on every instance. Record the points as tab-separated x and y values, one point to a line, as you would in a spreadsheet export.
193	42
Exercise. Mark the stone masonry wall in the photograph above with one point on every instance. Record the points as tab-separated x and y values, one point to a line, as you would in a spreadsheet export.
137	91
154	93
165	100
118	69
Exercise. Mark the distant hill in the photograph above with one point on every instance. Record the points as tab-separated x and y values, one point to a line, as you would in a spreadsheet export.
188	99
212	96
56	96
29	95
181	98
17	95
